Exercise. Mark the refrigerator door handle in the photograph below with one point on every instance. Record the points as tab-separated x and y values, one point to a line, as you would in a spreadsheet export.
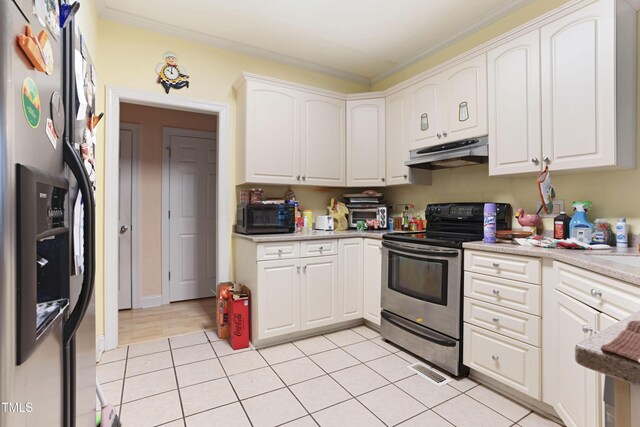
73	160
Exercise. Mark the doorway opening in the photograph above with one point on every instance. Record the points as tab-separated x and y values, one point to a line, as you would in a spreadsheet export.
169	242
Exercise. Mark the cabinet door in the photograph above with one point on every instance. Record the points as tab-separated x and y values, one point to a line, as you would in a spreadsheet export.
372	279
576	387
604	322
514	104
426	113
397	147
272	152
279	302
365	142
465	100
578	61
322	140
350	281
319	291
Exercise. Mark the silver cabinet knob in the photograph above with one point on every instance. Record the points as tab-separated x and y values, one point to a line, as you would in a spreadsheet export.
298	267
124	229
546	160
298	178
304	268
496	265
496	291
596	293
587	329
444	133
279	251
439	135
382	179
495	319
321	248
535	160
495	357
405	176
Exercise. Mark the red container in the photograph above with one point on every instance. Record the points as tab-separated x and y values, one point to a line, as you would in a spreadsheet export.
239	319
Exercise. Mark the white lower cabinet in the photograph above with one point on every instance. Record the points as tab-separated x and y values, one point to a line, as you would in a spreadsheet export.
372	280
319	291
279	301
351	279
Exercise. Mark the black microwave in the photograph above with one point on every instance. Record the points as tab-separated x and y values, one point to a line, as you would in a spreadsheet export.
258	218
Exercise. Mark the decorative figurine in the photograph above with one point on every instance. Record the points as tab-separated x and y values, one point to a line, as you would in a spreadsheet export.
170	74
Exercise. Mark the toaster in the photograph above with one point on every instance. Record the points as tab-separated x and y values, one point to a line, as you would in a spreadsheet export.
324	222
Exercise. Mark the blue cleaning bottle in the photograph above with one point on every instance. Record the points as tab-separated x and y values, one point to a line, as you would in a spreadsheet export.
580	228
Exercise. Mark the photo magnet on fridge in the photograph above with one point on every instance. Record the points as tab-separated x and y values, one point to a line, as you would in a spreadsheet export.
170	74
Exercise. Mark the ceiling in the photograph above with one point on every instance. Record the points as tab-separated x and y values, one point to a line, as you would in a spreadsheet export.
360	40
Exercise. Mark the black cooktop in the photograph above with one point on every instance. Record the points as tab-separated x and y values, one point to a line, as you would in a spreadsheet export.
452	224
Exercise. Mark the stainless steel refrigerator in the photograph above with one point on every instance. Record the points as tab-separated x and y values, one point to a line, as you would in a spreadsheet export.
47	262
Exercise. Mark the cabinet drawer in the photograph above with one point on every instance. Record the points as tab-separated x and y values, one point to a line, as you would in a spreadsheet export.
616	298
514	324
319	248
515	267
506	293
278	250
511	362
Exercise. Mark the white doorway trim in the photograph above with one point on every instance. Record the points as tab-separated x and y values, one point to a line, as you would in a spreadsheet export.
114	96
136	130
167	133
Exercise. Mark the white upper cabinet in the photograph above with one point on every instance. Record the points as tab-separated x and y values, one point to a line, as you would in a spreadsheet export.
426	121
514	106
465	92
287	135
323	140
398	139
588	90
450	106
271	129
366	142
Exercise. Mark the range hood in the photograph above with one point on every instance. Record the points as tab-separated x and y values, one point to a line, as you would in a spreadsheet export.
451	155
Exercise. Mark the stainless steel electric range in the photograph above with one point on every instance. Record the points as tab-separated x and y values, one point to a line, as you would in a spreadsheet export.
422	282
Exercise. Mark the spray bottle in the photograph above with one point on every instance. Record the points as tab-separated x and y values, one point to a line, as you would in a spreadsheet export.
580	228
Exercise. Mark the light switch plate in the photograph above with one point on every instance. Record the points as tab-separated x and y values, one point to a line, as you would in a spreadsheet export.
558	206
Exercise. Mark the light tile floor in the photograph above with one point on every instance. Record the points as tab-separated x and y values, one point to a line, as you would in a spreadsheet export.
346	378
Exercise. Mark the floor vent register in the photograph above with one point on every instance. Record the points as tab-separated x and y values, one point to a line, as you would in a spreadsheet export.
430	374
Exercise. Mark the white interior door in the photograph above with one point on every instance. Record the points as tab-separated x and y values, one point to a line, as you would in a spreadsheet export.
124	220
192	209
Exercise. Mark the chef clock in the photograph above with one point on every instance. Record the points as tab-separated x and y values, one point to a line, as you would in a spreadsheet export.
170	74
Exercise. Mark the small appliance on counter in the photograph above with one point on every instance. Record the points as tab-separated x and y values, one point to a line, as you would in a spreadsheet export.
367	206
265	218
324	222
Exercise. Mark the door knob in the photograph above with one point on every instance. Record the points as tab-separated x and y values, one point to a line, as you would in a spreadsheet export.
496	292
439	135
535	160
444	133
124	229
546	159
587	329
495	357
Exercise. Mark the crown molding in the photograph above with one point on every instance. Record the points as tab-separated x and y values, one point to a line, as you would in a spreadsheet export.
156	26
485	21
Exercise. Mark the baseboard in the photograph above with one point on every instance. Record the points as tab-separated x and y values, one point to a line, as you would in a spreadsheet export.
99	347
152	301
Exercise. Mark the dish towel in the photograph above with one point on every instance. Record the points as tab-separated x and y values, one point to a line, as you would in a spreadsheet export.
627	344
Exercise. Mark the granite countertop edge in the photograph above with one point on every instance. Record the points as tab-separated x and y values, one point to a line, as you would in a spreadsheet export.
586	259
590	355
310	235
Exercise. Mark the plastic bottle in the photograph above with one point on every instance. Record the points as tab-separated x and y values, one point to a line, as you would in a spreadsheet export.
621	233
405	218
561	226
580	228
489	223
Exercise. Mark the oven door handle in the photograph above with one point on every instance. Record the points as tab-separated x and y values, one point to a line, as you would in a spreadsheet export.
421	332
422	252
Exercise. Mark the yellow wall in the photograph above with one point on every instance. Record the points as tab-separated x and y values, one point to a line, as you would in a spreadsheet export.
127	57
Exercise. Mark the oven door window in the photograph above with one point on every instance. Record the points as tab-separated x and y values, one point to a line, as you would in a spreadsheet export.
421	278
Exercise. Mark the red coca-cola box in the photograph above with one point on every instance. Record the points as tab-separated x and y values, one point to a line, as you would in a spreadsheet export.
239	319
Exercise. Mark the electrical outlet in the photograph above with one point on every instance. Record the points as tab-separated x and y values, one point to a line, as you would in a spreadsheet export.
558	206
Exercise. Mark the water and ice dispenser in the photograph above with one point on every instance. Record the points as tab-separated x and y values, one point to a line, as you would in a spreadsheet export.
43	256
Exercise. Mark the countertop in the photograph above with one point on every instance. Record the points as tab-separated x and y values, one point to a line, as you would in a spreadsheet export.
311	235
589	354
615	266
